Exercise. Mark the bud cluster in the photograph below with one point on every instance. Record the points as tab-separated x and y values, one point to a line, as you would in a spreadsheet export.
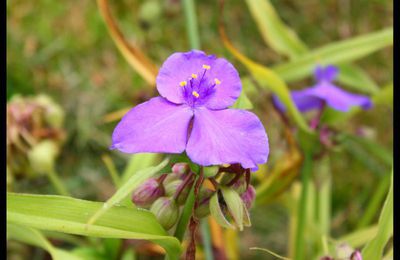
34	135
164	195
228	197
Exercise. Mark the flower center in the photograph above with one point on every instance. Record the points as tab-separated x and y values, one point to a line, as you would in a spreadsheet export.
199	87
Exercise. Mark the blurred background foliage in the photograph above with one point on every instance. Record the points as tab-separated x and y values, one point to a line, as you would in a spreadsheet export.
63	49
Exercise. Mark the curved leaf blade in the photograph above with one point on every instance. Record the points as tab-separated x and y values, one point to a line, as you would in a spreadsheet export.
69	215
274	32
335	53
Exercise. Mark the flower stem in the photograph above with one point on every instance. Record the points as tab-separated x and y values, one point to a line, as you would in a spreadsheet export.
186	213
53	177
191	23
205	232
302	208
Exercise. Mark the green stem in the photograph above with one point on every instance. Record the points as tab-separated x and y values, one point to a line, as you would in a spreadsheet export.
186	213
205	232
57	183
191	23
302	208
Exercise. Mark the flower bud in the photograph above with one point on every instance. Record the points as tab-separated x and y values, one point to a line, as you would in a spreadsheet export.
147	193
166	211
248	196
170	178
210	171
42	156
344	251
203	208
172	187
356	255
180	168
175	186
240	185
226	206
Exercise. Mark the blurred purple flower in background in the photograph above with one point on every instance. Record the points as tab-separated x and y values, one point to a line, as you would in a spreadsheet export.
192	114
325	92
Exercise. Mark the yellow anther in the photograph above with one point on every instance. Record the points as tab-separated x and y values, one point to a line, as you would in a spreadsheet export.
207	67
194	76
217	81
182	83
194	93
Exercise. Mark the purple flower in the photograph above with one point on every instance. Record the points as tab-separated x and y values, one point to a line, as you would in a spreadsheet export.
325	92
192	114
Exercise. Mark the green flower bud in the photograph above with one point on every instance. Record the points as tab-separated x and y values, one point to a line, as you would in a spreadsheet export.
171	187
170	178
42	156
210	171
166	211
203	208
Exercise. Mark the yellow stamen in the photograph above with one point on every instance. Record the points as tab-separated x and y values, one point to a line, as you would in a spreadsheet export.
207	67
217	81
194	93
194	76
182	83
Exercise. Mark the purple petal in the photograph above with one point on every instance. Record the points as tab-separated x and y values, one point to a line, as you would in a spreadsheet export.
155	126
339	99
302	99
227	136
230	85
177	68
328	73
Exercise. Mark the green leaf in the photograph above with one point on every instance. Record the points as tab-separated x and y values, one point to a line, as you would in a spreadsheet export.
374	249
335	53
69	215
284	40
356	78
36	238
384	96
137	162
243	102
127	187
274	32
360	237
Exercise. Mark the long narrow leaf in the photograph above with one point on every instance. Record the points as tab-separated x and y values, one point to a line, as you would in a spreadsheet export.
69	215
279	36
335	53
374	249
135	57
36	238
285	41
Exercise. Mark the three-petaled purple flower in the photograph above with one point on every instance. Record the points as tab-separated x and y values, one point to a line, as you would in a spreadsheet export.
192	114
325	92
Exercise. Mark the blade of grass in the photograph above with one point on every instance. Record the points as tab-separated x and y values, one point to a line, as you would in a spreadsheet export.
191	23
374	248
335	53
302	208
